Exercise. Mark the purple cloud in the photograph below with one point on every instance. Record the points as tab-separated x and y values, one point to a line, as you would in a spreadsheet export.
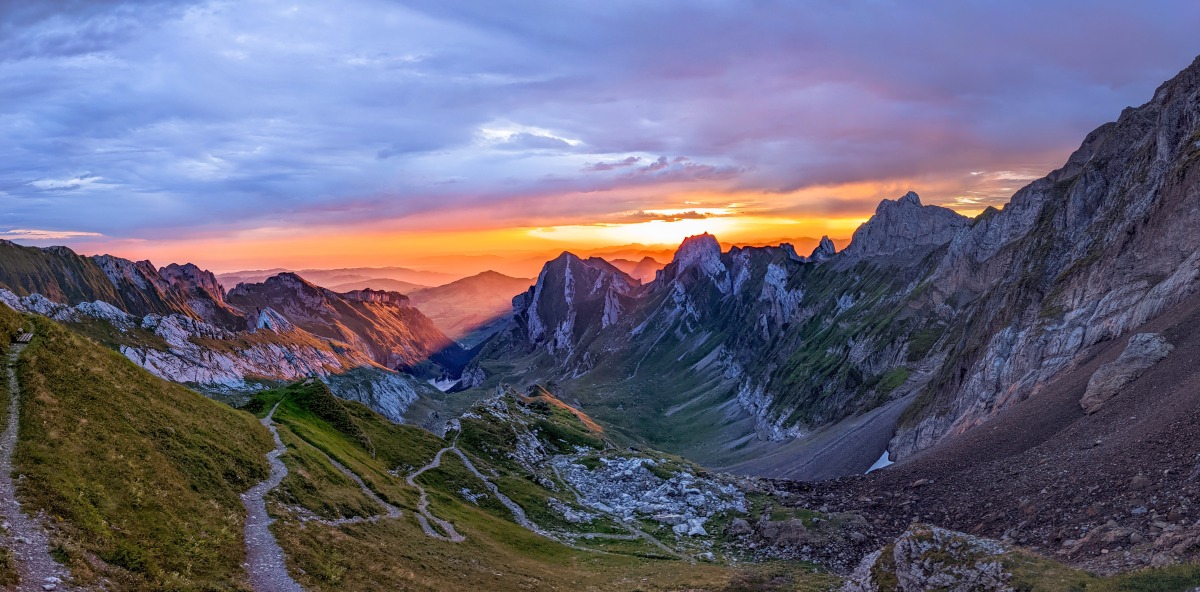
608	166
155	119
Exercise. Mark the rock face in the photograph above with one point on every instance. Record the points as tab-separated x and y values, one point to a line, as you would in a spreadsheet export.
930	558
1083	255
571	296
1144	350
903	228
825	251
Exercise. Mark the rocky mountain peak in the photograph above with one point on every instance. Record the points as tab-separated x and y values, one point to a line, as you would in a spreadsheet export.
122	272
570	290
910	198
904	228
189	274
826	248
701	252
282	287
292	282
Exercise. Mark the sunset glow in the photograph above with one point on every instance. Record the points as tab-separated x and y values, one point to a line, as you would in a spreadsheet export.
283	134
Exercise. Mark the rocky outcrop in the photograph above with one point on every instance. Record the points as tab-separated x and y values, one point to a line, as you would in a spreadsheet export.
571	296
1143	351
38	304
930	558
380	296
903	229
825	251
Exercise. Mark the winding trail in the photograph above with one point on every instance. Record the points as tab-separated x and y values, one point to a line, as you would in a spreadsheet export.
264	558
24	535
390	511
423	515
517	511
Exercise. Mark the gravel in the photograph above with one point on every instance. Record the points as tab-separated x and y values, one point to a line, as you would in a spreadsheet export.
24	535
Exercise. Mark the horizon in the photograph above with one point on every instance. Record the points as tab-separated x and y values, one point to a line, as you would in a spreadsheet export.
291	135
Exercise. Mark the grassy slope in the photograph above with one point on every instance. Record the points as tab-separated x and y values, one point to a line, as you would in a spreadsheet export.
1034	573
141	476
396	555
10	321
59	275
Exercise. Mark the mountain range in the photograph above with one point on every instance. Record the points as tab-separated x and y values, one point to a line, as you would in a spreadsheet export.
988	403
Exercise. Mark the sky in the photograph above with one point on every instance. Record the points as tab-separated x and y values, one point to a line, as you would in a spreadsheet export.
263	133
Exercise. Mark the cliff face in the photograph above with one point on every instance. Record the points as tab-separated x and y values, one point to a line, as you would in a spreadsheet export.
1081	256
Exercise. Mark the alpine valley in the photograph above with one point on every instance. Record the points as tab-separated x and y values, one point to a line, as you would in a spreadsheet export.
1004	402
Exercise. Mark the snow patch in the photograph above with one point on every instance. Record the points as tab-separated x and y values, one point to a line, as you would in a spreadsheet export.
884	461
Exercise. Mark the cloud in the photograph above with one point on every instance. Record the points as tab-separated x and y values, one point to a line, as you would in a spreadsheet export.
649	216
39	235
608	166
64	184
531	141
157	119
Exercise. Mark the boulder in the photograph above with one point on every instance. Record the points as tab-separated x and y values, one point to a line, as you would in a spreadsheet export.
791	532
1144	350
931	558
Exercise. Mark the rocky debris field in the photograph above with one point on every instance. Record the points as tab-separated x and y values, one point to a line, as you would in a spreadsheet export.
628	487
1109	491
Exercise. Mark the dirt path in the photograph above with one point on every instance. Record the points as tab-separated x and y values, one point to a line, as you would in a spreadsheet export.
423	515
264	558
24	535
390	511
517	511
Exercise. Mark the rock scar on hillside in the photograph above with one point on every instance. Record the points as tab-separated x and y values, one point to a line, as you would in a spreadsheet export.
23	534
265	562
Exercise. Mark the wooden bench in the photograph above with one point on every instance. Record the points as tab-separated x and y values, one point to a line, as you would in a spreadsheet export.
24	338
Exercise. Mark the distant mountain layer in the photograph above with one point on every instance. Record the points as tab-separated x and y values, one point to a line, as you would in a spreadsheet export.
378	284
338	277
463	308
642	271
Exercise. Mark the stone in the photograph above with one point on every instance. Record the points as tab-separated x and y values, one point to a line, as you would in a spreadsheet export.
1143	351
930	558
739	527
